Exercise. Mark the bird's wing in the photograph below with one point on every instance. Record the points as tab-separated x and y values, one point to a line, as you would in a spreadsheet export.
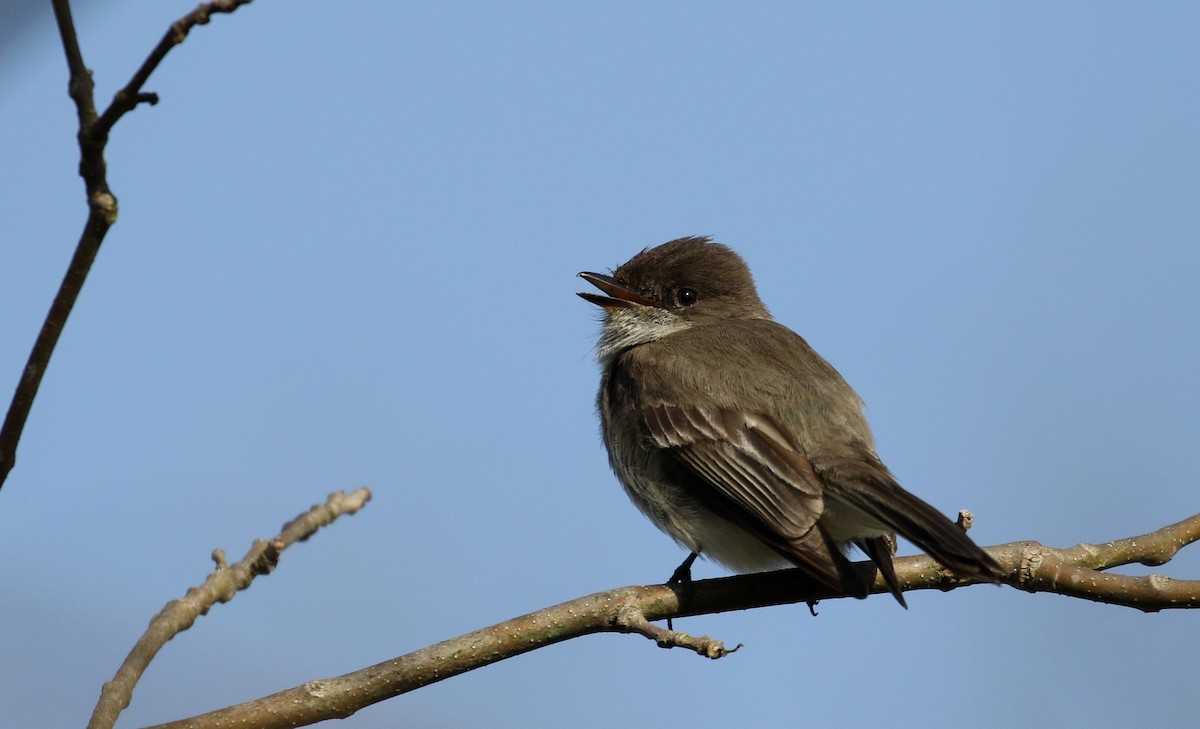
766	484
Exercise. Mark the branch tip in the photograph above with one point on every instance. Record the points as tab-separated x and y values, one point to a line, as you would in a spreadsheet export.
631	619
220	586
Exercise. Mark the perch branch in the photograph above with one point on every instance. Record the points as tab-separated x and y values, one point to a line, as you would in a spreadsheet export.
220	586
632	610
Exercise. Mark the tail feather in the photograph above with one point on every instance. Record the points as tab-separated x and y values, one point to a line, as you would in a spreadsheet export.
935	534
820	557
853	582
866	484
879	550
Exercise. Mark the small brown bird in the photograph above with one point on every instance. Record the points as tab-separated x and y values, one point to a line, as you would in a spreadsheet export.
737	439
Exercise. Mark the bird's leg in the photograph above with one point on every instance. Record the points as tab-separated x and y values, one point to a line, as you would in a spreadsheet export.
683	573
682	576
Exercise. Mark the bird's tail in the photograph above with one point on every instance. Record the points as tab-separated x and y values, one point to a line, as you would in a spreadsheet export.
864	483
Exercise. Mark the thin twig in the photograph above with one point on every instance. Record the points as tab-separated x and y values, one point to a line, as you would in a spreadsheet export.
220	586
131	94
632	620
101	210
102	204
631	610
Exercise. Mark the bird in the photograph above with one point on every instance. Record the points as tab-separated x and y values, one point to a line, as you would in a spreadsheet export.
738	440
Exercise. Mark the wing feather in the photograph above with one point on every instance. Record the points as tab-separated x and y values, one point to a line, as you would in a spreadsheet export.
760	480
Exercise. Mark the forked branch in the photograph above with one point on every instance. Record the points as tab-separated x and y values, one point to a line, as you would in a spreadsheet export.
102	204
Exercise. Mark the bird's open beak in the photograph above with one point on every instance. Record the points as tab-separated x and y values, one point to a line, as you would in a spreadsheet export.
619	296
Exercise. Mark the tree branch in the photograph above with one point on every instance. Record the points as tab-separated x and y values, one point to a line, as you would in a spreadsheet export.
220	586
131	95
102	204
1027	565
1077	572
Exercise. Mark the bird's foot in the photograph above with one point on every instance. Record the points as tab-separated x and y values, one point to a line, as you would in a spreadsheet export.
682	578
683	573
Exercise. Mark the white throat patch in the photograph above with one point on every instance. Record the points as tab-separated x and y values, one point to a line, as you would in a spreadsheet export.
629	327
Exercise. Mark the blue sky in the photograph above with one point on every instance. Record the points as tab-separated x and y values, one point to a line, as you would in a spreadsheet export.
346	256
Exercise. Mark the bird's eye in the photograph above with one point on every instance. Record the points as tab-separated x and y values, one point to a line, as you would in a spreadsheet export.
686	297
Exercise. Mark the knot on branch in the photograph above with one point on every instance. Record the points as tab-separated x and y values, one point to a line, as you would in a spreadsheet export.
965	519
1032	555
268	558
104	203
317	689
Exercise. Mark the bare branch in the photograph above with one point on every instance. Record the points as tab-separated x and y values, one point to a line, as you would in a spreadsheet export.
1076	572
220	586
131	94
80	84
101	213
633	620
102	204
631	610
